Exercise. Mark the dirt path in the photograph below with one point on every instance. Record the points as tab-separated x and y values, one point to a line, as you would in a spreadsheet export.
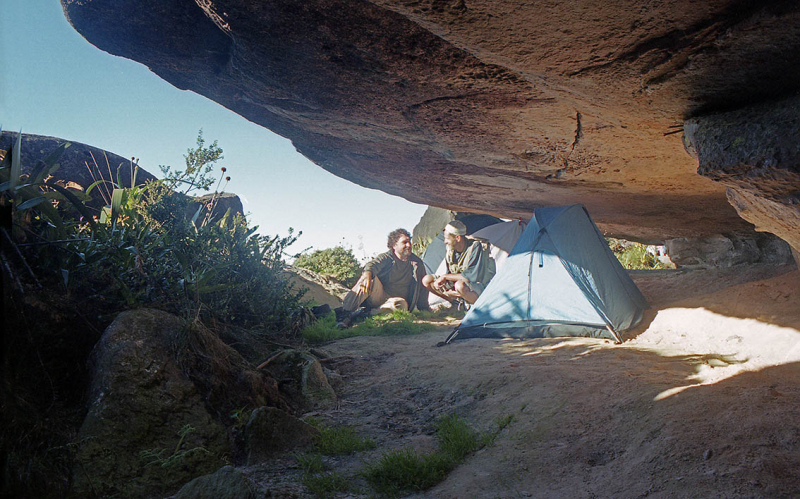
704	401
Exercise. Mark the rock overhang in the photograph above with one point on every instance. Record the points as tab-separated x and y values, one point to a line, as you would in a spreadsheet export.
483	106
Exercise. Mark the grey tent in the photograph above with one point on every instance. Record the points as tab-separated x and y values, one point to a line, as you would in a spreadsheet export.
560	279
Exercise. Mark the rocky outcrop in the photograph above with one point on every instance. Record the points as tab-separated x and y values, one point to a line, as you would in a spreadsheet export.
217	204
434	219
494	107
319	289
147	430
755	153
80	163
722	251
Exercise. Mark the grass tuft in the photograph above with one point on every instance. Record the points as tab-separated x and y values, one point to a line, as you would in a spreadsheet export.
341	440
456	438
325	484
309	462
405	470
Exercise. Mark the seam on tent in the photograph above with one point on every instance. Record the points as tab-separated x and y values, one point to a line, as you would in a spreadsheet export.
594	298
609	255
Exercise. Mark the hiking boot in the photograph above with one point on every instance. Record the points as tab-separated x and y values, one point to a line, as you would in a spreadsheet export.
359	313
342	317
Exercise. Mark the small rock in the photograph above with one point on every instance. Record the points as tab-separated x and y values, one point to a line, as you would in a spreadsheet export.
707	454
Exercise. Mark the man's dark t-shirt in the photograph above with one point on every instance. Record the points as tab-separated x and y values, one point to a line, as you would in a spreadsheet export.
398	280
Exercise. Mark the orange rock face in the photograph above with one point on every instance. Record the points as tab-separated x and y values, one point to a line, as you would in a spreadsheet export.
478	105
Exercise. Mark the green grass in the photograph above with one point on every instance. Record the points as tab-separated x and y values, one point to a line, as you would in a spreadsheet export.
325	484
504	421
341	440
404	470
310	462
395	323
457	438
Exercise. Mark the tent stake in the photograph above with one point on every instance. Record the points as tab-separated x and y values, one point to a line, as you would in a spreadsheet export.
614	334
449	338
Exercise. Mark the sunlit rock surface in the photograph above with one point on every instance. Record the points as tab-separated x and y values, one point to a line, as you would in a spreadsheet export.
482	106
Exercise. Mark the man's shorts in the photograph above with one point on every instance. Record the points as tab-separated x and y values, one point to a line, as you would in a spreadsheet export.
476	287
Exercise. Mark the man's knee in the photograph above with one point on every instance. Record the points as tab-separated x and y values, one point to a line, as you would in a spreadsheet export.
396	303
428	280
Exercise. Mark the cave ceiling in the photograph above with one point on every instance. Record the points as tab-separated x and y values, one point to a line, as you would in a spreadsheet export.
484	106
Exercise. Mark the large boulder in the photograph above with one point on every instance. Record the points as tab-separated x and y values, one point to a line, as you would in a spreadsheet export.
147	430
755	153
80	163
493	107
225	483
215	206
270	431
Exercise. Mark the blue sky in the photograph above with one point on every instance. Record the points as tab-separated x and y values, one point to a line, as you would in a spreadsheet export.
55	83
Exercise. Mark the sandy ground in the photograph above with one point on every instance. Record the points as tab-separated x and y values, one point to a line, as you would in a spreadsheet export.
701	400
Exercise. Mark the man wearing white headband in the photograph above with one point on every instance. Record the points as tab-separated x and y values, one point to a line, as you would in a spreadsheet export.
469	267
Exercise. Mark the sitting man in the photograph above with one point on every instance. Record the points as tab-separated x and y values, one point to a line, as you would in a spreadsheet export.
469	267
391	280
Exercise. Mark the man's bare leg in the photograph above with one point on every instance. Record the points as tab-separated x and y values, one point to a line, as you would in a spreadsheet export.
465	292
427	282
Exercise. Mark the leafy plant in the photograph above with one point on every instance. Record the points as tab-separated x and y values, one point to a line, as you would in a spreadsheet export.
35	197
419	245
159	457
338	263
200	163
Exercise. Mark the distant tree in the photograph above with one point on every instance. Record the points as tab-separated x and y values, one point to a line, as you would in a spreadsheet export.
337	262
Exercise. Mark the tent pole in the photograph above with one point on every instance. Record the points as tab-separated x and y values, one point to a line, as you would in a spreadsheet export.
614	334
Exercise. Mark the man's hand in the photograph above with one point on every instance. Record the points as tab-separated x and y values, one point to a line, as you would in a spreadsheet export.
364	284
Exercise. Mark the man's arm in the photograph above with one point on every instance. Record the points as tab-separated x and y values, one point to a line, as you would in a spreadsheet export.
371	269
475	263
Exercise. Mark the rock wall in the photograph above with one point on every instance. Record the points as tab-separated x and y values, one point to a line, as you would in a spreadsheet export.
484	106
755	153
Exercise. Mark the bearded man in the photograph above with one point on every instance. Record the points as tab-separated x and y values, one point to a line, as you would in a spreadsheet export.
391	280
469	267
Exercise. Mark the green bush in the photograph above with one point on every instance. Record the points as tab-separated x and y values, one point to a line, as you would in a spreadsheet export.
634	256
338	263
71	270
